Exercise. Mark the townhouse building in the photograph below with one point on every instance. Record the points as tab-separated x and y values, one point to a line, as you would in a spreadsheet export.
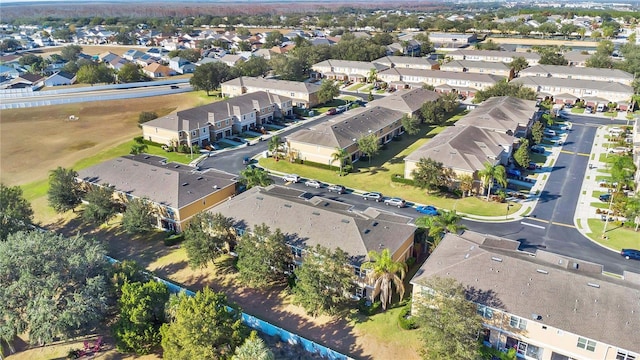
408	102
605	91
302	94
466	84
206	124
578	73
322	221
544	305
346	70
494	56
451	40
504	114
408	62
319	142
479	67
176	192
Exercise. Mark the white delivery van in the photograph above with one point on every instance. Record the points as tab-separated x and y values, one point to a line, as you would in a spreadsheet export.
600	108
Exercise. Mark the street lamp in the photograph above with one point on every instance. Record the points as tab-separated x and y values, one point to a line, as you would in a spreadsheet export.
508	207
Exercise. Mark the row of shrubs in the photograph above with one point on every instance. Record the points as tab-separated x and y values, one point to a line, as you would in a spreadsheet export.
317	165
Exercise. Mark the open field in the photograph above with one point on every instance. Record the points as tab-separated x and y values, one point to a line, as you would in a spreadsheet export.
37	140
89	49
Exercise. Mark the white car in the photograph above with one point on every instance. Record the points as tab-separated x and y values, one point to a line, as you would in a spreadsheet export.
395	202
313	183
291	178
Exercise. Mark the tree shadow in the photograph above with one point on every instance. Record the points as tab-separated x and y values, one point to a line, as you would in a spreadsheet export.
546	196
484	297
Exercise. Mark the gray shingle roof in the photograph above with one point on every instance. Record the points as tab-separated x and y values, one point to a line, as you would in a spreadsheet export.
259	82
560	294
466	64
568	71
437	74
463	147
501	113
315	221
495	53
341	130
146	176
407	101
403	61
349	64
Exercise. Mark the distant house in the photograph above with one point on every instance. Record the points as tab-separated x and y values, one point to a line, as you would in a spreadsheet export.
578	73
117	63
409	48
452	40
60	78
307	222
466	84
232	60
106	57
181	65
576	58
27	80
156	70
408	62
543	305
303	94
176	192
132	54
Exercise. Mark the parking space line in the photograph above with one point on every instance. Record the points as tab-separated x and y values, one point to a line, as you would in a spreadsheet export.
532	225
562	224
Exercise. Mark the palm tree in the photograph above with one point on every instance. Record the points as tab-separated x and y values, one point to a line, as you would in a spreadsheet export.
373	76
490	173
339	155
255	177
253	348
274	145
385	273
445	222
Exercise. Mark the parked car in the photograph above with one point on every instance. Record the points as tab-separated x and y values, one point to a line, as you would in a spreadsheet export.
313	183
538	149
630	254
427	210
532	166
337	189
619	150
332	111
588	110
175	87
400	203
372	196
549	132
291	178
513	172
605	197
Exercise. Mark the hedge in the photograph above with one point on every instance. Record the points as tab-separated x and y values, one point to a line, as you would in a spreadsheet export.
399	179
405	320
173	239
317	165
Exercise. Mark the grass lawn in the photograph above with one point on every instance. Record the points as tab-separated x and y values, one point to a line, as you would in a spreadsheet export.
355	87
349	98
326	106
610	114
383	331
603	178
376	176
618	237
599	205
576	110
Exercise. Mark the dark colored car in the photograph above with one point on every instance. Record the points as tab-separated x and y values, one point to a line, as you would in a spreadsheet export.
532	166
427	210
630	254
513	172
175	87
605	197
332	111
337	189
538	149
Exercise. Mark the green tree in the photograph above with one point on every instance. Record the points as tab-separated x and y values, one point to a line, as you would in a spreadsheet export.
93	74
410	124
521	156
253	348
432	113
370	96
263	257
255	66
251	177
141	313
369	145
10	45
490	173
384	274
146	116
71	52
632	210
448	102
340	155
465	184
373	75
599	60
51	287
439	225
64	192
428	174
130	72
15	211
138	146
518	63
127	271
191	55
322	281
537	132
209	76
138	217
274	145
551	55
605	47
204	326
288	68
206	237
504	88
274	38
101	206
449	323
328	91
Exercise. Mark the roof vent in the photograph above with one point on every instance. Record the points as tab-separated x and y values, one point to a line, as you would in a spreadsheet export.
287	205
185	184
542	271
259	198
375	223
496	259
366	231
594	285
345	221
316	213
536	317
199	178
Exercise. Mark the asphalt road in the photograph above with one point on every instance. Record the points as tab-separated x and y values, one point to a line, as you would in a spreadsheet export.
550	224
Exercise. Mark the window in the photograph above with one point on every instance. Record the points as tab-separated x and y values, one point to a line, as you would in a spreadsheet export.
485	312
586	344
518	323
625	355
226	122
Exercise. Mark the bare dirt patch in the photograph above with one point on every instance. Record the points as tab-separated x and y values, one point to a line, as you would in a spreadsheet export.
36	140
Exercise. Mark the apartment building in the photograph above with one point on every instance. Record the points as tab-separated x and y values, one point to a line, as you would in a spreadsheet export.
302	94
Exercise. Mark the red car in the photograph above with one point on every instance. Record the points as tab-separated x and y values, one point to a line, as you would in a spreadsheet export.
332	111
